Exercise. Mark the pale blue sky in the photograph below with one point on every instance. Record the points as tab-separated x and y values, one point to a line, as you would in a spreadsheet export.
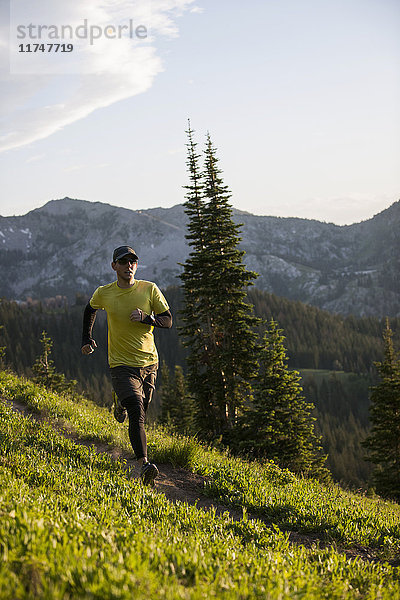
301	99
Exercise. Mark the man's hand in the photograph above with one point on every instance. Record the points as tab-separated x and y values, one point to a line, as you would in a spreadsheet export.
136	315
89	348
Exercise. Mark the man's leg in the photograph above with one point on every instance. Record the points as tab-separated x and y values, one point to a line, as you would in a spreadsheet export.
128	386
139	383
149	384
149	470
143	384
137	434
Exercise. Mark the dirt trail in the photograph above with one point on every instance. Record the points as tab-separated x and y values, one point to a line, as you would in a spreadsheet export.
181	485
176	483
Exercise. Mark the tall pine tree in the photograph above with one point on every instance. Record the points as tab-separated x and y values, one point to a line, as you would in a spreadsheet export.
279	425
217	321
196	325
383	443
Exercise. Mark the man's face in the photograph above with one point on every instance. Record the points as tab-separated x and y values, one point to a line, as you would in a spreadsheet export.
125	267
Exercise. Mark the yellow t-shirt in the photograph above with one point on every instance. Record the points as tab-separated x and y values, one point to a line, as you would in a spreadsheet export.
130	343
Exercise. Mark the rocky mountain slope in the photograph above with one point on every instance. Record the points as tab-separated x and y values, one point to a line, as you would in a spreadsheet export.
65	248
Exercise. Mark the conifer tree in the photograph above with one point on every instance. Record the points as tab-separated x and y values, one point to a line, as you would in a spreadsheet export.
196	327
44	372
167	399
177	408
383	442
184	407
195	203
216	320
279	425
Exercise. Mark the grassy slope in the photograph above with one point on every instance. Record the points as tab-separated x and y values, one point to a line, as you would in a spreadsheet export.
73	525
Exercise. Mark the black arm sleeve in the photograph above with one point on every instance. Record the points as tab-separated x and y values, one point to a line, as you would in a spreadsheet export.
162	320
89	317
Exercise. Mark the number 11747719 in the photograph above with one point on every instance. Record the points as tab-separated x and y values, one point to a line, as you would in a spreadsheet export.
45	47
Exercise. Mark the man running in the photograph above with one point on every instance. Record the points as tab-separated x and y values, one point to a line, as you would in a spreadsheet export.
134	307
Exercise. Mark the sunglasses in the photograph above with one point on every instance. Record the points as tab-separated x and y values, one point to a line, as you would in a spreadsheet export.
126	260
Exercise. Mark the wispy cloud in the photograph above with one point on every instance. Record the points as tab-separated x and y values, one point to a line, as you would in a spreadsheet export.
73	168
108	71
173	151
35	158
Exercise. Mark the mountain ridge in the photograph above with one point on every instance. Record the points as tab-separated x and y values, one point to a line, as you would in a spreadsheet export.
348	269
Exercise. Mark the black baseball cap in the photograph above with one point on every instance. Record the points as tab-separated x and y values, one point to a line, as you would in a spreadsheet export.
122	251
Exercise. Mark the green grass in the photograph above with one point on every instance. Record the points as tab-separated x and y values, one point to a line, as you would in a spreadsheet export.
320	374
73	526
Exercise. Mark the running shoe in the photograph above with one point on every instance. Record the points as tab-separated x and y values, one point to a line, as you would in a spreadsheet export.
120	413
148	474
